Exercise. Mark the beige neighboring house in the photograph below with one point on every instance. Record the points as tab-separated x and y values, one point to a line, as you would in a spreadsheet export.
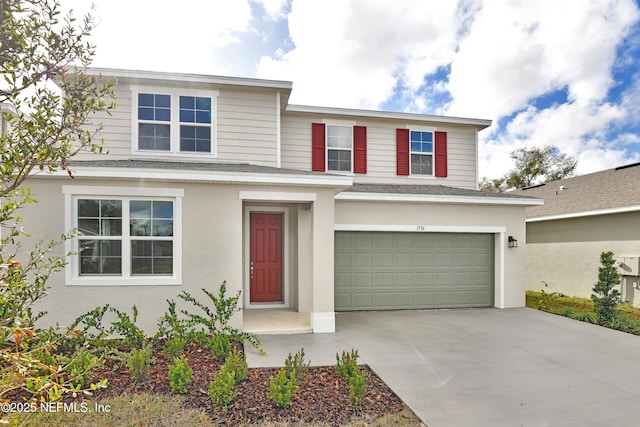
582	217
307	211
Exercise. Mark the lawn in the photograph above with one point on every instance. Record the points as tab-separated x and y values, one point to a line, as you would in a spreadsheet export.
627	320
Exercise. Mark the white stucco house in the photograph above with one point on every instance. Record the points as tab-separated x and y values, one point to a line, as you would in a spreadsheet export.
582	217
309	210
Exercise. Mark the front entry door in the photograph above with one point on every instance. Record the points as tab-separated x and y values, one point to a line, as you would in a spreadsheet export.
265	264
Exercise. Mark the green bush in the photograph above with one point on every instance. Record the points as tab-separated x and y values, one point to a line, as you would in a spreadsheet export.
236	363
568	312
357	388
219	345
173	347
180	375
138	362
296	364
170	325
81	365
347	364
282	387
221	389
606	297
127	328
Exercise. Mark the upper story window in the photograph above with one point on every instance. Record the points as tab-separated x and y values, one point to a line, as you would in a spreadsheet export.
339	147
174	121
421	145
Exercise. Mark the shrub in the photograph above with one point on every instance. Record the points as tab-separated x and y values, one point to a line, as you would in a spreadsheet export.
173	347
170	325
138	363
214	321
238	364
89	327
127	328
568	312
80	367
357	389
221	389
347	364
605	297
180	375
282	387
219	345
296	364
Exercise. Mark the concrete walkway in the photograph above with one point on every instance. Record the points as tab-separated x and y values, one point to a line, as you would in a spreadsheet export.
486	367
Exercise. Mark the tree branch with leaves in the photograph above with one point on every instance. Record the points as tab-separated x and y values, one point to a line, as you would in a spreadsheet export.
46	100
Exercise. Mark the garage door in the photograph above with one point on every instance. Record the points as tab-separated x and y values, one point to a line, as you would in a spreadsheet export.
395	270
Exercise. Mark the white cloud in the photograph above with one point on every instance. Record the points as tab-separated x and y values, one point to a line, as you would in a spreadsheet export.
183	37
274	9
354	53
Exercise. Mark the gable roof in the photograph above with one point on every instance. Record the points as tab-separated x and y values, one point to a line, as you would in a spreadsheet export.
609	191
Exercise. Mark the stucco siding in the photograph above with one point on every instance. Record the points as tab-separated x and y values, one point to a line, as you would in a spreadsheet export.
565	254
381	150
510	263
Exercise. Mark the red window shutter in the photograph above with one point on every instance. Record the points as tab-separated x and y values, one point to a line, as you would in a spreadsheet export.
402	151
441	154
318	147
360	149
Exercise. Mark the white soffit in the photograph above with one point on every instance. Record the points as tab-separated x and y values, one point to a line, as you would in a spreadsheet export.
434	198
595	212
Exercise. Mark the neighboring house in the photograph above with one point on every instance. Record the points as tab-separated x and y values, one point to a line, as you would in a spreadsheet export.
310	209
581	218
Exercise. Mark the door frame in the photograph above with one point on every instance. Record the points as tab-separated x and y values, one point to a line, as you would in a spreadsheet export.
285	256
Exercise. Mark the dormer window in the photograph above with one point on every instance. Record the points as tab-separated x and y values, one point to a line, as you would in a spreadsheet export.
174	121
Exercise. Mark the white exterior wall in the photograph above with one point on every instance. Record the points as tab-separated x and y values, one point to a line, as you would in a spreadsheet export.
565	254
381	149
246	128
502	221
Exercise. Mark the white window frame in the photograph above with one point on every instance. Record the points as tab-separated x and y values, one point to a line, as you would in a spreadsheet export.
338	123
72	271
174	93
433	152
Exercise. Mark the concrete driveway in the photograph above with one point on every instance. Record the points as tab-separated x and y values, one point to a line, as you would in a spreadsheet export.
486	367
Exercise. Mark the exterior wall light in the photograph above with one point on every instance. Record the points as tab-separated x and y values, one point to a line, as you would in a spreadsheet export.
513	243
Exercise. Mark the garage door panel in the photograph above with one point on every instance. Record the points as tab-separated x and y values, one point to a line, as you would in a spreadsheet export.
392	270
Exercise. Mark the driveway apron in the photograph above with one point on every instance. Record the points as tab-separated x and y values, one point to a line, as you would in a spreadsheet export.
486	367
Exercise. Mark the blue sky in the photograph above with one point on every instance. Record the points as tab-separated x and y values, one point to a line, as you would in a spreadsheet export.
565	73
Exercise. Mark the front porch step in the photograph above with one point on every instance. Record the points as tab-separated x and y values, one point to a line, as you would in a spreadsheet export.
275	321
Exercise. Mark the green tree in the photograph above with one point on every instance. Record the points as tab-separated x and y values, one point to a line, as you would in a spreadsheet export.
534	165
606	297
42	55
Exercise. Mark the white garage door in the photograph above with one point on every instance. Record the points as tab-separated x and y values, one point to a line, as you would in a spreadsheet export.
399	270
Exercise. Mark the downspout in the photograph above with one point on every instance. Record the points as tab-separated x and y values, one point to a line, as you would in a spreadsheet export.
278	133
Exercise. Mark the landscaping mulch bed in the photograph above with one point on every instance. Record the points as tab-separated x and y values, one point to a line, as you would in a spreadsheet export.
323	396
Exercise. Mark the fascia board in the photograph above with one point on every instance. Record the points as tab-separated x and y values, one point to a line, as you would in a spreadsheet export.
200	176
427	198
479	123
594	212
189	78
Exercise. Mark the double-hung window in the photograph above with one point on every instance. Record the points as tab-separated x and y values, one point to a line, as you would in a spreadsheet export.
421	151
339	148
174	121
131	238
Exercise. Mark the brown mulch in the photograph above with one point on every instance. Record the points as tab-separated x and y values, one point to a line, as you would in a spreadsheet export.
323	396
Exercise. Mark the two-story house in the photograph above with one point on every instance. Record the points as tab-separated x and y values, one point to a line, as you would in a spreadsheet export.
308	209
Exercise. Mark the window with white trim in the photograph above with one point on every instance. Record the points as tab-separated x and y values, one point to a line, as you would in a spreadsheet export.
339	148
421	152
131	239
173	121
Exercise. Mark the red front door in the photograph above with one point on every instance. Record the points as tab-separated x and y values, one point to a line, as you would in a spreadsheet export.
265	266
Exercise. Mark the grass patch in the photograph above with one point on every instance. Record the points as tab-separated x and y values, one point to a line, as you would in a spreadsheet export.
627	319
168	411
128	410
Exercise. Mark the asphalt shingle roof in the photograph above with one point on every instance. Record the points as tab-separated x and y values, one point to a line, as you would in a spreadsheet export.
432	190
610	188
